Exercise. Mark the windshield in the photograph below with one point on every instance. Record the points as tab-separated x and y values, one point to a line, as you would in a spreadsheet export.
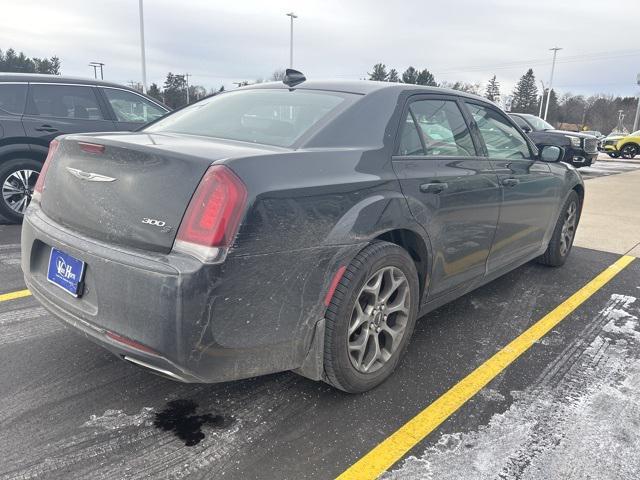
537	123
268	116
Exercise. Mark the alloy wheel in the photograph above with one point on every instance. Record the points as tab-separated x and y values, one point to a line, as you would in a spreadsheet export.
568	228
379	319
17	189
628	151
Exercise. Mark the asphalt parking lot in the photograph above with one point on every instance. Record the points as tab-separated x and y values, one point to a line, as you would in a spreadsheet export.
566	408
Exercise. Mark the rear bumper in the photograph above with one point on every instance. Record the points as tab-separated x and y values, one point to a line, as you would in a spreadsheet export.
204	323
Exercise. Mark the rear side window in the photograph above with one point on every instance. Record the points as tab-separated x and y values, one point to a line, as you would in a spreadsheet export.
502	139
130	107
442	128
12	98
64	101
267	116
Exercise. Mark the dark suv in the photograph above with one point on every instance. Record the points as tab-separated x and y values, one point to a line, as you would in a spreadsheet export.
34	109
580	150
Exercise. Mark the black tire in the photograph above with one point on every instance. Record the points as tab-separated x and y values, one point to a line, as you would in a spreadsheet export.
629	151
339	367
554	255
7	169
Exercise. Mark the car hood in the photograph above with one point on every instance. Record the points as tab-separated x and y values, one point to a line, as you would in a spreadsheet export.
573	134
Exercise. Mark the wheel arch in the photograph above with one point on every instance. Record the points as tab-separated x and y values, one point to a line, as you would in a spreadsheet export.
22	150
417	248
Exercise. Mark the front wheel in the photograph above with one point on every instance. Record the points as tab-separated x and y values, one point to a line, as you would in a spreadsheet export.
17	179
370	318
563	234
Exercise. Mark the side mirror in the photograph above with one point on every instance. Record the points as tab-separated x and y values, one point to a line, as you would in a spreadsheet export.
551	153
526	129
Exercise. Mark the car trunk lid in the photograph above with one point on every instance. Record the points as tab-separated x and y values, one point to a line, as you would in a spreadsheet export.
135	190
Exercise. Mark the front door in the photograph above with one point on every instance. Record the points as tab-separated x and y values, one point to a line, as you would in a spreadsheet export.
529	189
452	190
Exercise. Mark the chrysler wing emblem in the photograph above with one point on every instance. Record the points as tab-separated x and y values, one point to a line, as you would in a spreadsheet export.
89	176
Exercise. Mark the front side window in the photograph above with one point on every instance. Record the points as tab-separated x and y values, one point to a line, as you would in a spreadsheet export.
12	98
521	122
538	124
64	101
267	116
130	107
501	138
443	128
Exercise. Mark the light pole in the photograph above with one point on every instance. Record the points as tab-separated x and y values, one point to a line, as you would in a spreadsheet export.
542	99
292	15
553	67
635	121
142	54
186	78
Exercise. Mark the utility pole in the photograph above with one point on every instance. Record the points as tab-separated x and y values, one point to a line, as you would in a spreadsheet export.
186	78
142	53
541	100
635	121
95	66
292	15
553	67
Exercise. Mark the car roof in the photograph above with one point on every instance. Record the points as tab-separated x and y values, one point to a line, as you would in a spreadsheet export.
44	78
362	87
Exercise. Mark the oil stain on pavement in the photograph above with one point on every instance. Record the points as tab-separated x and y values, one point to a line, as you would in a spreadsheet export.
180	417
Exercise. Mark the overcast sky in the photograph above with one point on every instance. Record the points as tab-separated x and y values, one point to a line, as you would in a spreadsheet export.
220	42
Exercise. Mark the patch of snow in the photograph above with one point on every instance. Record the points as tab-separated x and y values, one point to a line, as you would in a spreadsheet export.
581	419
117	419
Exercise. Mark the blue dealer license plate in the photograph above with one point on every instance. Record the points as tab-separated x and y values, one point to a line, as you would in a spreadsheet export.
66	272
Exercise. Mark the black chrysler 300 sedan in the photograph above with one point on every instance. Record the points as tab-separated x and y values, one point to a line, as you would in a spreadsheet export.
298	226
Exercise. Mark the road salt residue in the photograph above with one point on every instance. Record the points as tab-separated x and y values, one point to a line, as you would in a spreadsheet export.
581	419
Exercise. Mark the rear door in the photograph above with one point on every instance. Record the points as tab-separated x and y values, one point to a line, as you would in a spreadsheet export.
529	189
56	109
130	110
451	189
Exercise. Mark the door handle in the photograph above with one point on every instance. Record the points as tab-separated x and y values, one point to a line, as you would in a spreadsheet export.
435	187
46	128
510	182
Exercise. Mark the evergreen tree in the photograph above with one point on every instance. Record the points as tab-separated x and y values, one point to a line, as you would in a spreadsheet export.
175	90
379	72
525	95
425	77
10	61
393	76
410	75
493	90
154	92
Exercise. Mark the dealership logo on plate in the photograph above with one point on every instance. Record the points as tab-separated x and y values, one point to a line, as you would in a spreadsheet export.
64	270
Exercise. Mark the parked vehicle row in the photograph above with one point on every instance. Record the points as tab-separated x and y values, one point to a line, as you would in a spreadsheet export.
34	109
301	225
580	148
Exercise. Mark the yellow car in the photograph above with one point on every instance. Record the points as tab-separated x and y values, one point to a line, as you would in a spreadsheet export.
625	147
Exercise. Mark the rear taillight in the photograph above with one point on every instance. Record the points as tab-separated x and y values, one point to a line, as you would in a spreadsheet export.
212	218
39	187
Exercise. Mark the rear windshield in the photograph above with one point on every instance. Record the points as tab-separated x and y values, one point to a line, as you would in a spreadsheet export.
270	117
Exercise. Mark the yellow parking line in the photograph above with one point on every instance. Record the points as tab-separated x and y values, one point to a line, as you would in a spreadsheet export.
394	447
13	295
